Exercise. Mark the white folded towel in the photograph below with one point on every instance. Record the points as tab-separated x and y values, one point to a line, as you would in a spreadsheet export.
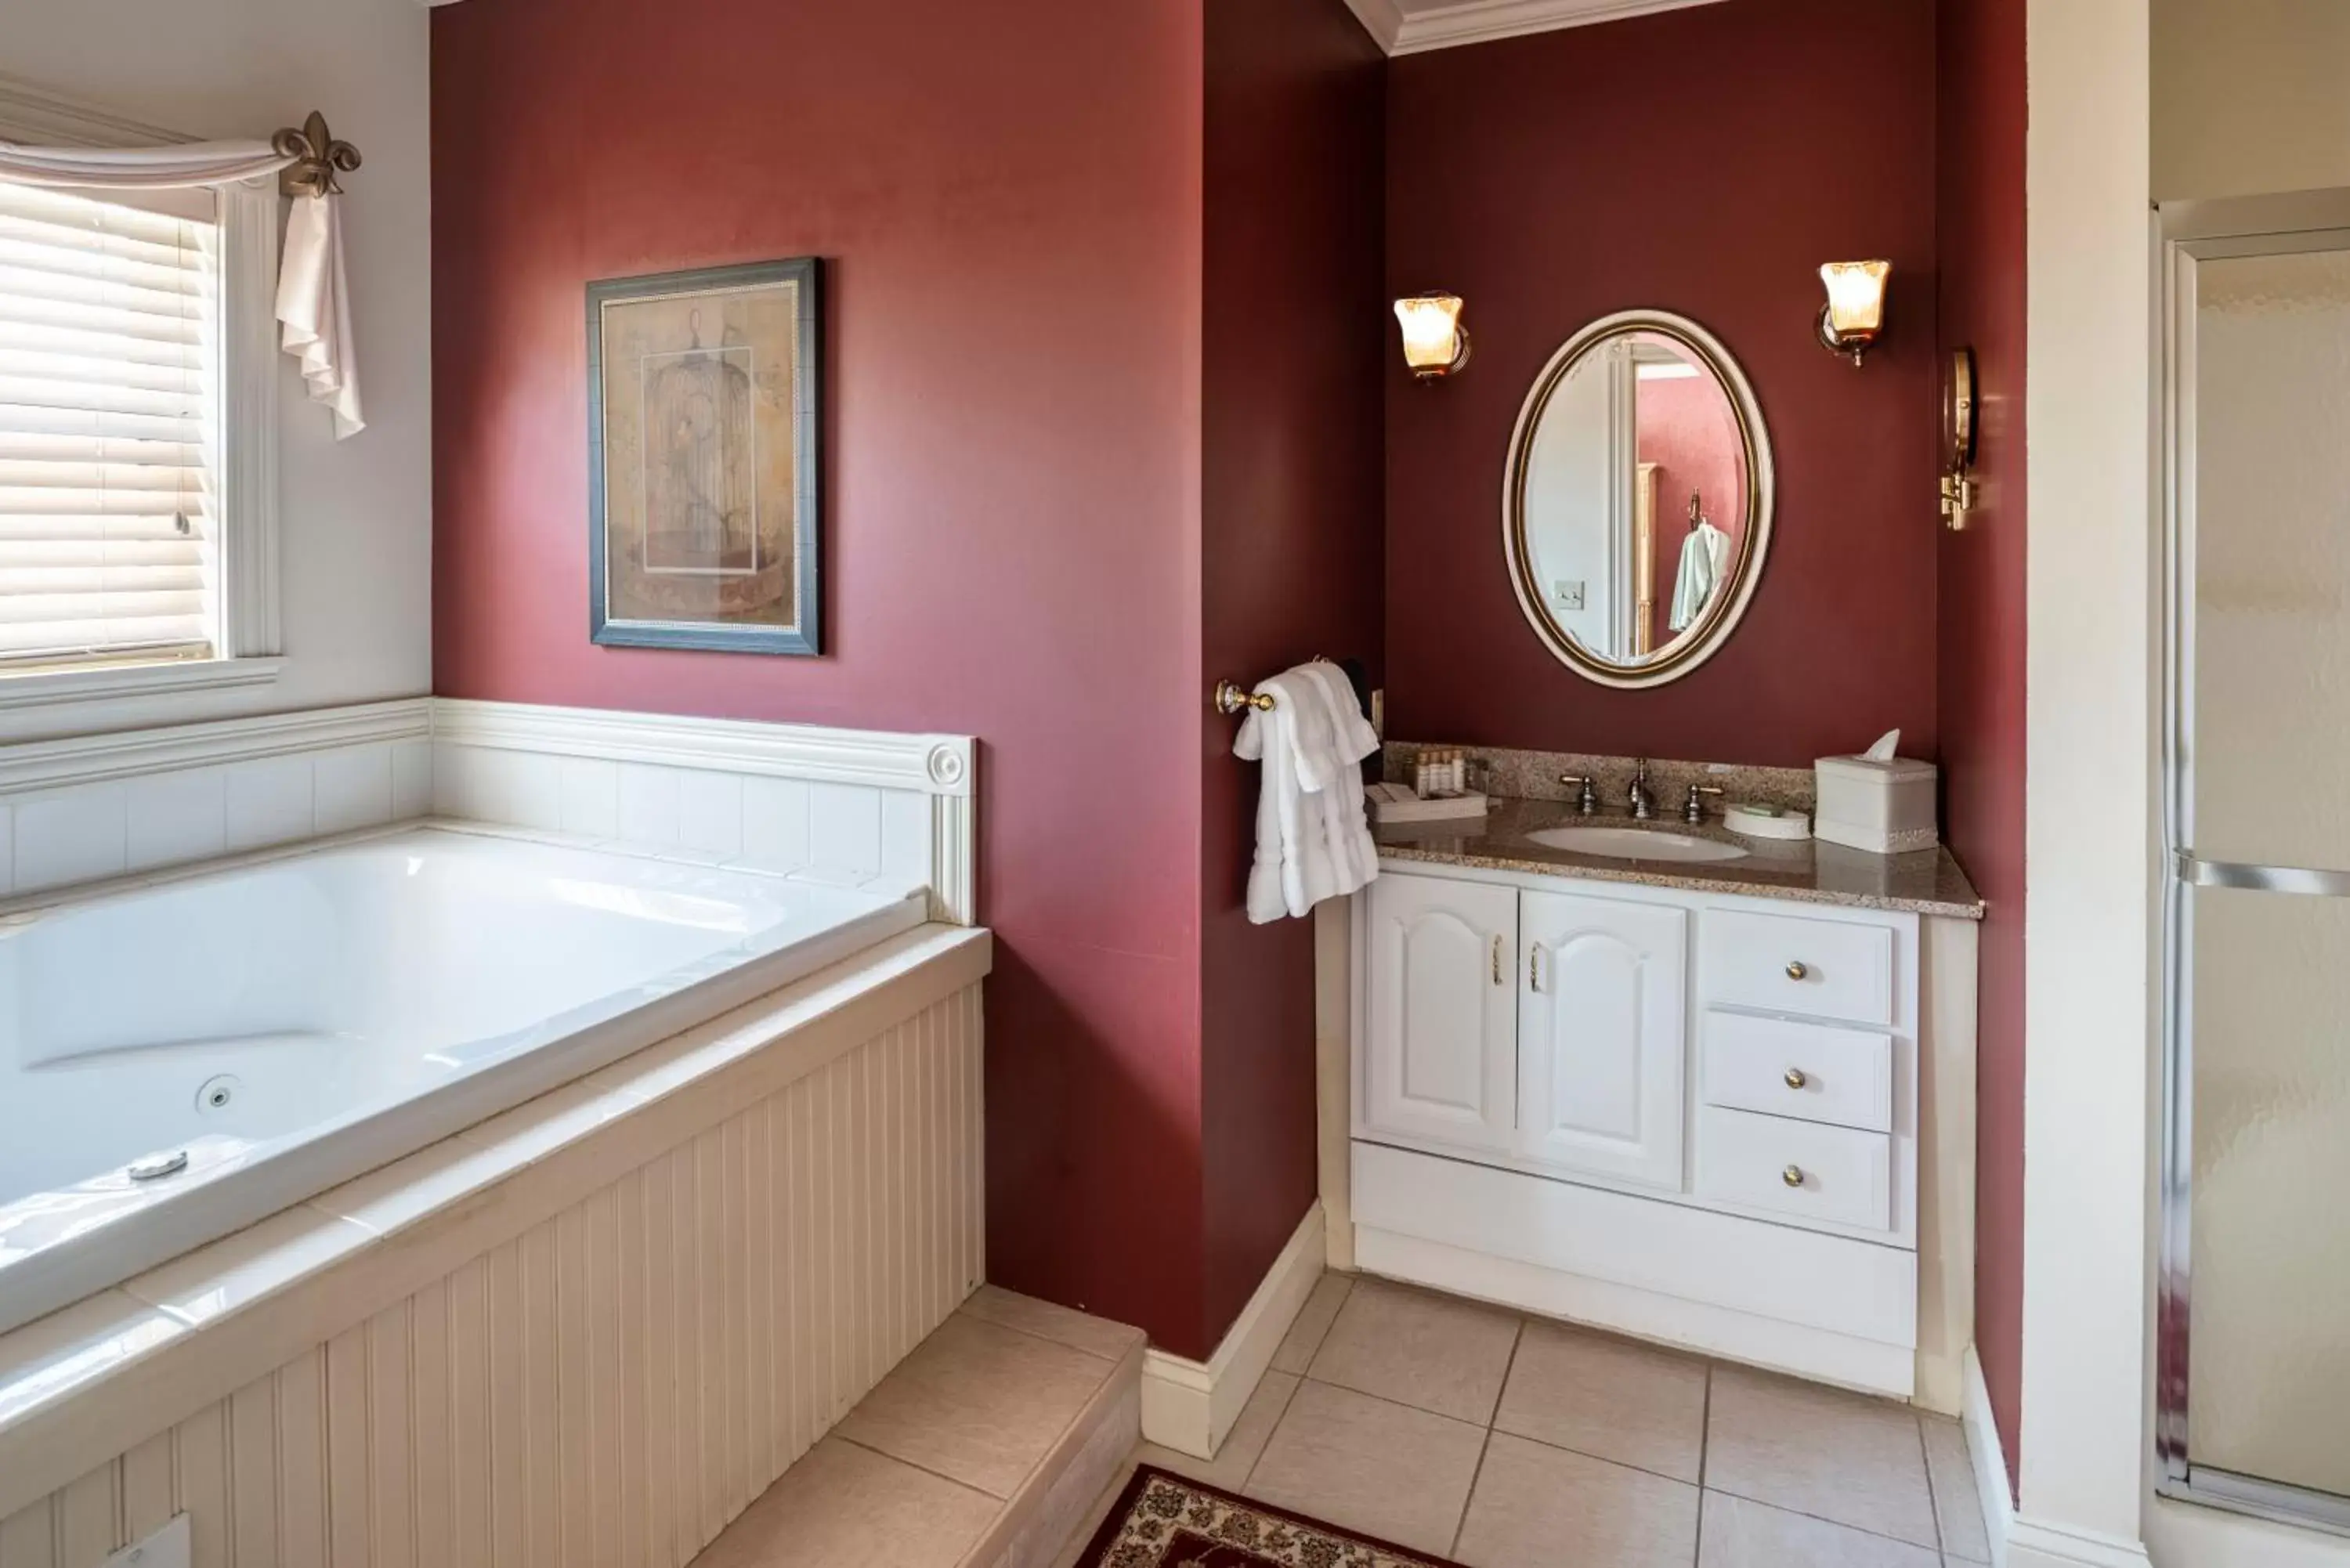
1312	840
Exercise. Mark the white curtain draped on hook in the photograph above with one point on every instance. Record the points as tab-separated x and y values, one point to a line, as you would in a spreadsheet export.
313	292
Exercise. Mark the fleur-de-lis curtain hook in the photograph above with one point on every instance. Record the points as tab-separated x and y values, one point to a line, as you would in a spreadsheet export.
317	156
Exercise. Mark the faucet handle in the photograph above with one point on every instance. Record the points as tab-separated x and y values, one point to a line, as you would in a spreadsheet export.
1694	809
1587	793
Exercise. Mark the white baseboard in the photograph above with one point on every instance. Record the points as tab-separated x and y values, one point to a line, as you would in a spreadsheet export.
2036	1544
1990	1458
2019	1541
1189	1406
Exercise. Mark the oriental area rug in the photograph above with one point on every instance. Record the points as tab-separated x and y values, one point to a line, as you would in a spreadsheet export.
1162	1521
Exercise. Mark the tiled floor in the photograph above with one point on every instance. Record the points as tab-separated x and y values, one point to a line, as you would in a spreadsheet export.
1508	1442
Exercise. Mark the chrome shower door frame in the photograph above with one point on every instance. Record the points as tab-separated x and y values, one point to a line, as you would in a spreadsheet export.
2191	233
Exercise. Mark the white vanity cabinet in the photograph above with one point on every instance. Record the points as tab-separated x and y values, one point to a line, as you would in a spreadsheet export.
1691	1116
1600	1037
1440	1062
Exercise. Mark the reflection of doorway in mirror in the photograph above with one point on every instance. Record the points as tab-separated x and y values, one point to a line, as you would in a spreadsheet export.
1580	489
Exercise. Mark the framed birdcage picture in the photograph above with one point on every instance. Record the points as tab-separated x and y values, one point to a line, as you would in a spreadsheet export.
703	400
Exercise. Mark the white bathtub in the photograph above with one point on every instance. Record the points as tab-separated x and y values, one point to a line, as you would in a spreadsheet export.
272	1030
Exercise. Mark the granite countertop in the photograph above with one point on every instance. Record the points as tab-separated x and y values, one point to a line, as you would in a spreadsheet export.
1926	882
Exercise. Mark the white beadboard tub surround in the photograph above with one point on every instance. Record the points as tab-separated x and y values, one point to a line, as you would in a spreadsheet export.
591	1329
847	807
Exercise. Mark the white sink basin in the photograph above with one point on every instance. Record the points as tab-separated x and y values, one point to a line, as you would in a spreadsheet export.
1636	844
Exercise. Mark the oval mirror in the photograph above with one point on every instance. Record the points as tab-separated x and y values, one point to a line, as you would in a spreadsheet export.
1637	509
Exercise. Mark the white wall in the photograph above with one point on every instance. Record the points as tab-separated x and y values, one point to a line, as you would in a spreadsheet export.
2247	96
2089	839
356	517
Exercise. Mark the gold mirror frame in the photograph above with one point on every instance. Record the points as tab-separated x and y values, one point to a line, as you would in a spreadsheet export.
1721	617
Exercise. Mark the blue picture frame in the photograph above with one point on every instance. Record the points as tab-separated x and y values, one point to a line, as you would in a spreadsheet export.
714	633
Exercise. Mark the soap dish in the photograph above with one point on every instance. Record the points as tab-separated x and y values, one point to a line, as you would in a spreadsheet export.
1756	819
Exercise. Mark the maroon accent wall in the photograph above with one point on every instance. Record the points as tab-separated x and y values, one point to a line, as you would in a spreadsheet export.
1009	199
1516	178
1060	502
1980	636
1292	409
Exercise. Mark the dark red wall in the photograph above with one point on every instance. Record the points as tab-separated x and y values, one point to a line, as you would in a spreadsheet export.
1704	161
1293	409
1982	636
1009	199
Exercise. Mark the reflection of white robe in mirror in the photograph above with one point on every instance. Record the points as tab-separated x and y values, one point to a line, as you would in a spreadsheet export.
1702	555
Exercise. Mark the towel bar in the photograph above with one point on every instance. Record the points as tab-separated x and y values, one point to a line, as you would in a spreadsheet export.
1231	697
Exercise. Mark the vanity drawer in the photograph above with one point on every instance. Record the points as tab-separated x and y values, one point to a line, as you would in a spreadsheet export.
1803	1169
1828	969
1815	1072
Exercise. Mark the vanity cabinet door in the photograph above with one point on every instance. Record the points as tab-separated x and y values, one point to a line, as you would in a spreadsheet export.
1441	1043
1602	1036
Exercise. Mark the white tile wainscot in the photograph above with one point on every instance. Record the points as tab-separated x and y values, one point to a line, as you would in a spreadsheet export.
606	1319
845	806
94	807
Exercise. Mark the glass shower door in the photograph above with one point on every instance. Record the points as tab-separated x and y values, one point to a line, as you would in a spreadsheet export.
2255	1336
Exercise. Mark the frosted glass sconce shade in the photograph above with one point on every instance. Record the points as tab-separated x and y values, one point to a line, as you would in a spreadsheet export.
1854	312
1434	343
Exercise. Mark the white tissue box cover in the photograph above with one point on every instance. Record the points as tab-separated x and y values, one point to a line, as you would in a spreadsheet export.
1884	807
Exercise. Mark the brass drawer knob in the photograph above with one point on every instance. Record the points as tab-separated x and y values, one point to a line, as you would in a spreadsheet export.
1793	1176
1796	1078
1796	970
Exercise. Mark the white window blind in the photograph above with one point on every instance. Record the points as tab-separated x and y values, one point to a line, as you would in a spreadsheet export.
110	340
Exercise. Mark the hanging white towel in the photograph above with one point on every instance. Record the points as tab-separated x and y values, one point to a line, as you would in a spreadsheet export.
314	302
1312	841
1700	569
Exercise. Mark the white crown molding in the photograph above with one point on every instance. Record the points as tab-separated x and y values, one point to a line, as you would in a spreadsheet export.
32	115
95	759
1481	21
1382	19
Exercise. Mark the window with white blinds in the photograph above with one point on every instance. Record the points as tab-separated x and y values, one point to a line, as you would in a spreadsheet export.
110	378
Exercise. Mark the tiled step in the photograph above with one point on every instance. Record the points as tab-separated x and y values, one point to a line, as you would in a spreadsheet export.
985	1449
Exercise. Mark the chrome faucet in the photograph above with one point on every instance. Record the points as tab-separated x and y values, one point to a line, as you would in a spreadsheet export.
1693	809
1642	800
1587	794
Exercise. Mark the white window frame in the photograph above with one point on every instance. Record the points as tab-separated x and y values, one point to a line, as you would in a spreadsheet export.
250	647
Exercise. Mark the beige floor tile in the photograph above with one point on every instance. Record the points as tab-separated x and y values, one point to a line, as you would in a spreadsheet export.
1244	1445
847	1507
1613	1398
1079	1331
1367	1465
1536	1506
1821	1452
1434	1352
1958	1505
1738	1533
977	1402
1305	1337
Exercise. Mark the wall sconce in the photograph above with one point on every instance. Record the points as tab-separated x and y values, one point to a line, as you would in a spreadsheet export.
1435	343
1961	426
1854	312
